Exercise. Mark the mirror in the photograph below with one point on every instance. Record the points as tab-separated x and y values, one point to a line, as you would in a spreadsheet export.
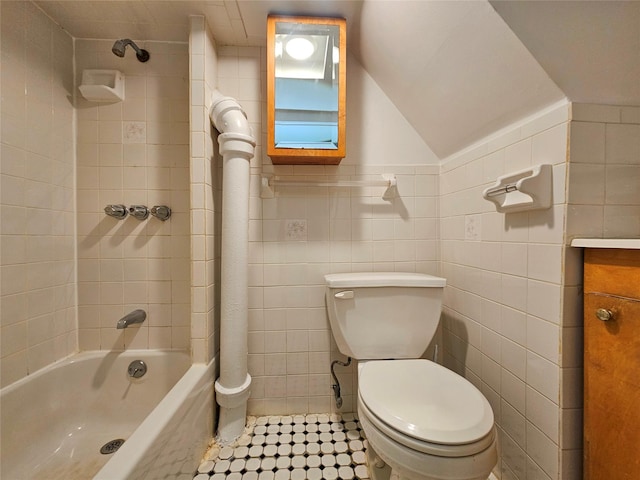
306	90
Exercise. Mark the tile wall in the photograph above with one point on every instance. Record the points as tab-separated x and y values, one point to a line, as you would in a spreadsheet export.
605	172
302	234
509	325
206	183
38	314
134	152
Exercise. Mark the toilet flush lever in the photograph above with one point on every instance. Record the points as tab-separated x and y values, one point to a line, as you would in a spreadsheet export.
344	295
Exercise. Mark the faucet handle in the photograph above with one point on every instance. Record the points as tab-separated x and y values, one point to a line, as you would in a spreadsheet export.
161	212
139	211
116	211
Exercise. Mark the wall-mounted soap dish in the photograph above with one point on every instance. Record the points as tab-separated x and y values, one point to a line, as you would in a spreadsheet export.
527	189
102	85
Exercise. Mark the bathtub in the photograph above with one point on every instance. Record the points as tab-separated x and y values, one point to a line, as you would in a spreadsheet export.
55	421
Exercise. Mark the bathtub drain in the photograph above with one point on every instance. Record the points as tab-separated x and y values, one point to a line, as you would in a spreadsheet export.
112	446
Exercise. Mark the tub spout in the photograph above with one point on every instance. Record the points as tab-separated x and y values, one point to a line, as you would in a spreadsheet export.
137	316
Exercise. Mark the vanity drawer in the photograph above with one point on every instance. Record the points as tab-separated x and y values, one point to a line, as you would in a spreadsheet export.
612	364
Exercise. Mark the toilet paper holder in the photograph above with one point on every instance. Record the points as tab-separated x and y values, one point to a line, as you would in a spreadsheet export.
527	189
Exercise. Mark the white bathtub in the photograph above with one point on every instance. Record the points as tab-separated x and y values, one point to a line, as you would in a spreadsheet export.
55	421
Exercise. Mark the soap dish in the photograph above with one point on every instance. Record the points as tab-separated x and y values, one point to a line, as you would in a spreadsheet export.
102	85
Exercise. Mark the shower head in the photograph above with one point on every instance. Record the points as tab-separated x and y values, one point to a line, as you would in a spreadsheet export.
120	45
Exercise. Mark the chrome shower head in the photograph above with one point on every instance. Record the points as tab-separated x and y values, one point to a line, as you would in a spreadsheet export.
120	45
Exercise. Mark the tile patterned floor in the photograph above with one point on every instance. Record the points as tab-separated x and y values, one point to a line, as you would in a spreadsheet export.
292	447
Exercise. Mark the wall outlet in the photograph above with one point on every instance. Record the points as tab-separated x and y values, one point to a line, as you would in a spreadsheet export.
472	227
295	230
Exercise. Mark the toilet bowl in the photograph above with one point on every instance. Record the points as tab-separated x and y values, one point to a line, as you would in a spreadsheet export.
422	421
425	421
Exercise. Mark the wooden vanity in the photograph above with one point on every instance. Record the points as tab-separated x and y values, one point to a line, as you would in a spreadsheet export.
611	363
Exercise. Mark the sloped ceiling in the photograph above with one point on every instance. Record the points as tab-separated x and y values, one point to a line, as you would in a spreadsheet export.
590	49
457	70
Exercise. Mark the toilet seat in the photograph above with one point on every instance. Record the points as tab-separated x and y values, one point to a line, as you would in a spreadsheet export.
426	407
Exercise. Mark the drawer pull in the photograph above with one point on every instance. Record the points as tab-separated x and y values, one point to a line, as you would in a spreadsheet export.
604	314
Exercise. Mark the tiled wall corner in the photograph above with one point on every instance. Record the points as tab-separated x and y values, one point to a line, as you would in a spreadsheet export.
205	195
38	316
504	314
134	152
604	176
603	202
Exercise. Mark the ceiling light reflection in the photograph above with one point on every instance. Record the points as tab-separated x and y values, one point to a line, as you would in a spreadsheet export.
299	48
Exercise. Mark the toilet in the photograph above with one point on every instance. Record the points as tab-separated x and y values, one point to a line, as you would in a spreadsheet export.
422	420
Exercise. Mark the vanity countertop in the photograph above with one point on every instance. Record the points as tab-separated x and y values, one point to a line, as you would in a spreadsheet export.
628	243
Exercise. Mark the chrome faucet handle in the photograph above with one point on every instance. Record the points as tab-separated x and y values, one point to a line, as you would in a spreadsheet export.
139	211
116	211
161	212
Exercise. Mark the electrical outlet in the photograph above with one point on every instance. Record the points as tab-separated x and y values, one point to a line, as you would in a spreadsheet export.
295	230
472	227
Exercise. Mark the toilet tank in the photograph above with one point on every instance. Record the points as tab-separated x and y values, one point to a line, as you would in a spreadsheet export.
378	315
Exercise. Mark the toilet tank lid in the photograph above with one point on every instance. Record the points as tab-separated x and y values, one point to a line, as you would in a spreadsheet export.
382	279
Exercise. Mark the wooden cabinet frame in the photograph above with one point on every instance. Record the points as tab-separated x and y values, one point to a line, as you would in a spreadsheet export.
306	156
611	364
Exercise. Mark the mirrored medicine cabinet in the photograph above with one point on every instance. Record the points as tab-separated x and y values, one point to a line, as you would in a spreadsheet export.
306	90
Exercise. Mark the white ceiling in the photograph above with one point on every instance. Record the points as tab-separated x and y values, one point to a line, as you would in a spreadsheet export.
456	69
233	22
146	19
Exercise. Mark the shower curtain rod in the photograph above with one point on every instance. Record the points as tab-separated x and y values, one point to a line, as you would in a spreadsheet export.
269	183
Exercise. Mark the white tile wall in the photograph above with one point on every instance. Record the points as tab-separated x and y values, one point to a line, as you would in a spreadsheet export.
38	315
291	342
604	172
205	184
529	292
134	152
503	309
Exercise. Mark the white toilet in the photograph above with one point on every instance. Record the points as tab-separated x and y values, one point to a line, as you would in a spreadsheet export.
424	421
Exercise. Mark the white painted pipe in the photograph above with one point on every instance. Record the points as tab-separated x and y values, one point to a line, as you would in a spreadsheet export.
237	148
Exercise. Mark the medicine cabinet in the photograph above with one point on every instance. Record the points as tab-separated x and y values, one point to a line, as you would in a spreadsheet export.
306	90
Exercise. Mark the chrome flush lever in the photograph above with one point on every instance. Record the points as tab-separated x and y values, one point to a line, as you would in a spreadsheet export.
344	295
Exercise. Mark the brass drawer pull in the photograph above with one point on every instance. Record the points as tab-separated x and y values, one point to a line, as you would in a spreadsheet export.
604	314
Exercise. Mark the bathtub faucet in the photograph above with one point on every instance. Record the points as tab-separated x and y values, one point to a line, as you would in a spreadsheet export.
137	316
